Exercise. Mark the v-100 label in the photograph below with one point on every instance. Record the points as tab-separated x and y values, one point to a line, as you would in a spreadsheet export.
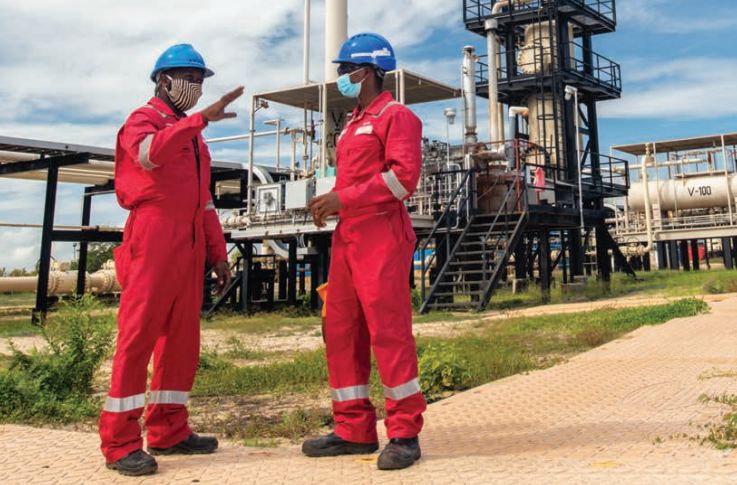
702	191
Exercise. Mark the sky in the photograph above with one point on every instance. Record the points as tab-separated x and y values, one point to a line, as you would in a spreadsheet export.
72	71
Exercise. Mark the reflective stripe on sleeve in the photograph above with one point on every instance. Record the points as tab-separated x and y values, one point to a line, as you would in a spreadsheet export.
396	187
402	391
349	393
143	151
124	404
168	397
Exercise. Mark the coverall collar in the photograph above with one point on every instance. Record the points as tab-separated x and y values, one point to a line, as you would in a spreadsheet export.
163	107
375	107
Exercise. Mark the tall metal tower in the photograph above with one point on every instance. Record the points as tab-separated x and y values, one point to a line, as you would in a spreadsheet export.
545	181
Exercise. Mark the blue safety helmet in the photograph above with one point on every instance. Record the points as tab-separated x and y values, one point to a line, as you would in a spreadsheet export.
368	48
180	55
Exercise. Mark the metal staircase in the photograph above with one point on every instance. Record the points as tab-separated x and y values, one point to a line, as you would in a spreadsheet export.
469	258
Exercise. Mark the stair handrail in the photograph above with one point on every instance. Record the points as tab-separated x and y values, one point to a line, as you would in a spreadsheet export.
426	265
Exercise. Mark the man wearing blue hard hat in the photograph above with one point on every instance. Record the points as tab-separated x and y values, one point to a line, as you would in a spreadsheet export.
378	159
162	176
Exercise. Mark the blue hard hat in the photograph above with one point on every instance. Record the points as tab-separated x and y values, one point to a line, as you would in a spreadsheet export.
368	48
180	55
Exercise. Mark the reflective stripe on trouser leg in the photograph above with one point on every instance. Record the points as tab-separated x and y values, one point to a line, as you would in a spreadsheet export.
349	393
384	256
402	391
124	404
348	350
168	397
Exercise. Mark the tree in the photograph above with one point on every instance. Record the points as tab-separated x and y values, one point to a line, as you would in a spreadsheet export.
98	253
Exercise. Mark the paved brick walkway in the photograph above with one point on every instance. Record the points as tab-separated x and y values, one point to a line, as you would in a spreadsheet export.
615	415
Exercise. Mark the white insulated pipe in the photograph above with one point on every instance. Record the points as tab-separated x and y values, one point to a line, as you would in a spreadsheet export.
648	208
63	283
336	32
491	46
469	94
306	47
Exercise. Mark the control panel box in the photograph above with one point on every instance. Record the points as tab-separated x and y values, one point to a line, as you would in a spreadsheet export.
324	185
269	199
299	193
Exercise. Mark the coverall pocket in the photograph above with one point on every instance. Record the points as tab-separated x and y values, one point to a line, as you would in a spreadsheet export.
122	257
400	229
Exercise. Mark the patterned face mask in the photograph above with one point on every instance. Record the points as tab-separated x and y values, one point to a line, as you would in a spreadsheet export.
184	94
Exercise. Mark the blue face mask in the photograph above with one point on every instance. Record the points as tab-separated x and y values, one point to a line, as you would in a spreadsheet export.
347	88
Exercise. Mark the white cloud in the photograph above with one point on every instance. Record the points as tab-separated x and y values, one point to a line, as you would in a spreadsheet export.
73	70
676	16
687	88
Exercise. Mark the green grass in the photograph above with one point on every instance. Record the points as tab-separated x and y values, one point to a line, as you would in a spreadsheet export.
496	350
664	283
17	299
260	324
17	326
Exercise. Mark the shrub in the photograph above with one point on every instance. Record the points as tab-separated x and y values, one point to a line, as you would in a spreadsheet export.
442	368
55	384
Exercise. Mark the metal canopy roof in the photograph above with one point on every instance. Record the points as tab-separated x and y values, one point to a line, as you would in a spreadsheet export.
685	144
417	89
99	170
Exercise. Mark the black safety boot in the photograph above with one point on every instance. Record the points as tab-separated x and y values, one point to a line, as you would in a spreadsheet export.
193	445
333	445
399	453
134	464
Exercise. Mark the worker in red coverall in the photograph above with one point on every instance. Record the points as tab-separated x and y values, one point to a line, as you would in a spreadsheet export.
162	176
378	166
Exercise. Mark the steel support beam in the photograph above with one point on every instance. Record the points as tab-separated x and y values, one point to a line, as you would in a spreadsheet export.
44	263
44	164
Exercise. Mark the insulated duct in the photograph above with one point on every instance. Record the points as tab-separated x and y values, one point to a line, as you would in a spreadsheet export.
468	73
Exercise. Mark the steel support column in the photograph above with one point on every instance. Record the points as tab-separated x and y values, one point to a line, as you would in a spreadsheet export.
695	254
44	264
684	255
544	264
292	274
662	255
245	276
673	255
82	259
602	256
727	253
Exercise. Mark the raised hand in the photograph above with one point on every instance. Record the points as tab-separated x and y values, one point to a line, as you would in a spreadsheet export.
216	111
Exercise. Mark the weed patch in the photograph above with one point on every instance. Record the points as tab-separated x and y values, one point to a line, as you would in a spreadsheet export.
722	435
55	384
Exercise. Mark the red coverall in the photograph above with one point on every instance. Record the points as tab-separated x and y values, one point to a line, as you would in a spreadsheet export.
171	228
379	157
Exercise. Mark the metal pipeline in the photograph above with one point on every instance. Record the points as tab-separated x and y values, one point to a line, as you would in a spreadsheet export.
491	46
493	51
514	111
336	32
648	210
468	74
64	283
306	41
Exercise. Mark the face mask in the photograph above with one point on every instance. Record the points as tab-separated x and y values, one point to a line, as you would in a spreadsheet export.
347	88
184	94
